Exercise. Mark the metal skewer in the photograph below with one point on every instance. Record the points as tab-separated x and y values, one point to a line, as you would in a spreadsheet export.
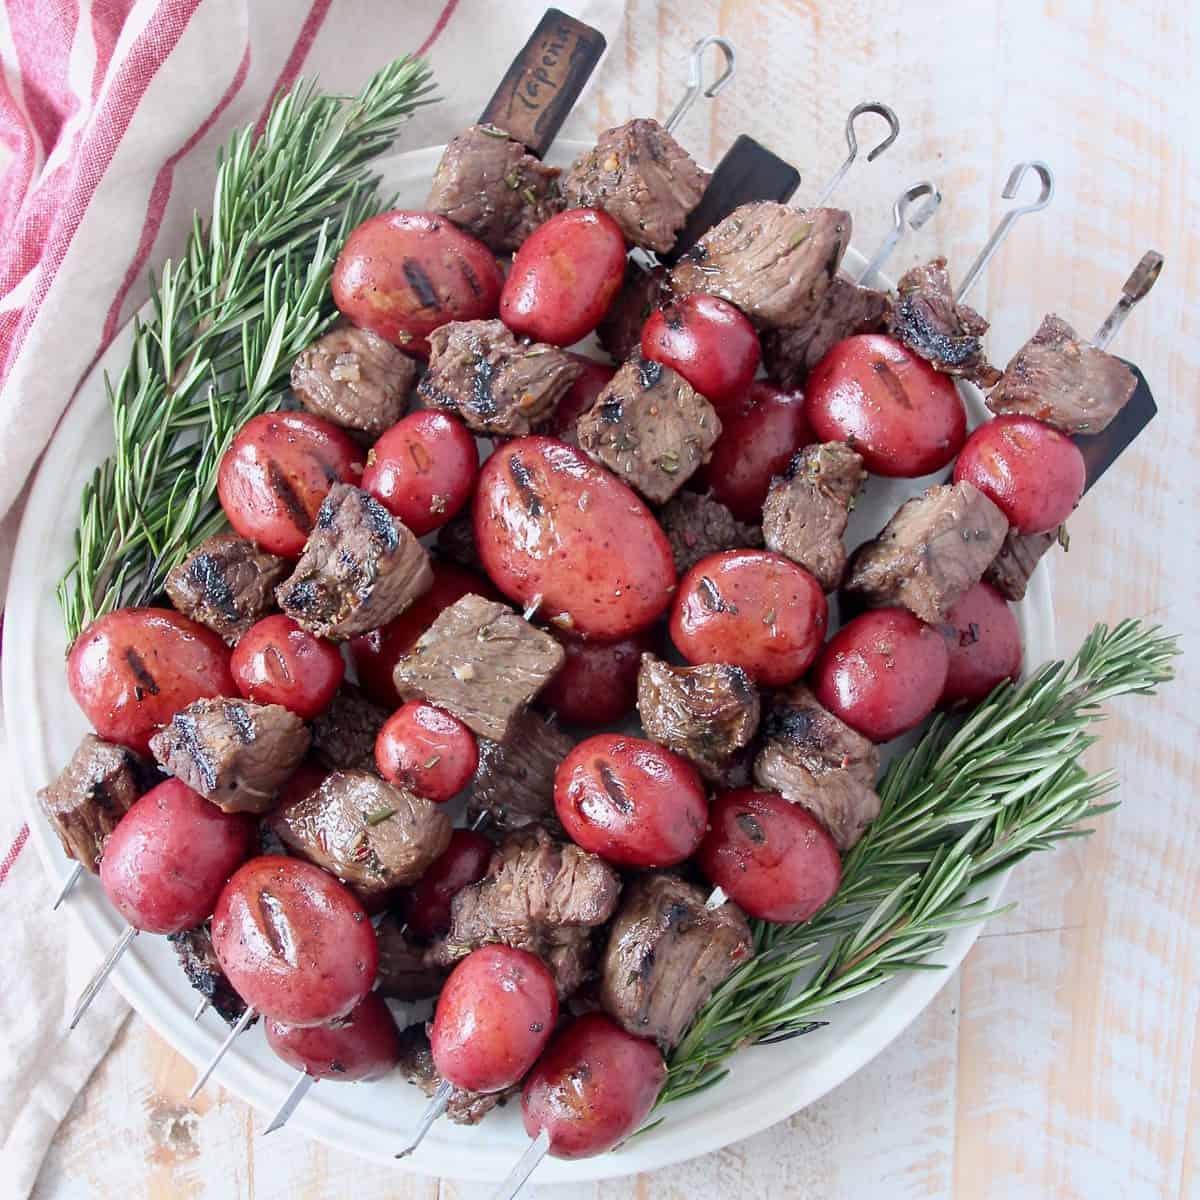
1016	175
524	1167
71	880
201	1009
291	1102
1142	278
696	88
102	973
211	1066
906	215
434	1109
867	106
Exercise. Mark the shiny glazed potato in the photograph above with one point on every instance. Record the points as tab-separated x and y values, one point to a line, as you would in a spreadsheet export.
169	857
984	642
426	905
277	662
403	274
597	684
580	397
558	533
295	943
427	750
364	1045
133	669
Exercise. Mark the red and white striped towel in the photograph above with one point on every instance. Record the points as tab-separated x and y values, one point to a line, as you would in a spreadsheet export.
111	112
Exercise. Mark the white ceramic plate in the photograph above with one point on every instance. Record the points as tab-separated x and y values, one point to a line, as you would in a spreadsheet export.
372	1120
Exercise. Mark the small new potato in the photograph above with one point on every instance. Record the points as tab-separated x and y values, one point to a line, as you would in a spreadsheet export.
362	1046
580	397
597	683
984	642
427	750
426	905
277	662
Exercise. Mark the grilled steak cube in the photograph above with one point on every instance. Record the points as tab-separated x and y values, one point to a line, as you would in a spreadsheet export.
806	511
355	379
650	427
1060	379
226	583
416	1065
491	186
643	178
497	383
91	794
1010	571
775	263
194	949
514	783
344	734
620	333
947	335
361	567
697	526
666	953
706	713
811	758
405	972
234	753
934	549
480	661
372	835
845	310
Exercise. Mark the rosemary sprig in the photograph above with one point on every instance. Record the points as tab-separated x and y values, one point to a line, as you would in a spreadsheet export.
969	801
249	292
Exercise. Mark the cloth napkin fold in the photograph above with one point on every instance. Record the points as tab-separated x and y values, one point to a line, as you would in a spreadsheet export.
111	113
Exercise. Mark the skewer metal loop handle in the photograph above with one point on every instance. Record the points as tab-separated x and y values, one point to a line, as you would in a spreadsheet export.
525	1166
906	214
292	1101
1016	175
696	88
102	973
1143	277
240	1027
434	1109
867	106
71	880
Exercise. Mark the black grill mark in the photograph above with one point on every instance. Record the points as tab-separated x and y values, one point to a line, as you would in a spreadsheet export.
649	373
243	726
472	280
783	723
380	522
207	572
615	789
524	481
751	828
482	400
918	328
188	736
281	485
146	681
612	410
276	928
421	284
891	381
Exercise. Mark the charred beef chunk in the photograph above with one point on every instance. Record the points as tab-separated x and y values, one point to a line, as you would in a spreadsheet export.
706	713
370	834
361	567
405	972
416	1065
650	427
92	793
355	379
947	335
491	186
194	949
697	526
1060	379
666	953
811	758
234	753
480	661
344	734
226	583
1010	571
643	178
456	542
496	382
933	550
540	895
845	310
514	784
806	511
620	333
775	263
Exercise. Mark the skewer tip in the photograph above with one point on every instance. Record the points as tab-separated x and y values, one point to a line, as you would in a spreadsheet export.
69	883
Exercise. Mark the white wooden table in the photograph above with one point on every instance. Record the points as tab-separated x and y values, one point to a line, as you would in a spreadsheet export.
1064	1058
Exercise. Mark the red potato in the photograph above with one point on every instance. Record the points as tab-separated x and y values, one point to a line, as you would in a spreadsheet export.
774	859
564	277
592	1088
1031	472
631	801
169	857
757	442
710	343
427	750
752	608
882	672
426	905
403	274
557	532
493	1018
579	398
902	416
277	662
364	1045
375	654
277	471
422	469
133	669
984	642
597	683
295	943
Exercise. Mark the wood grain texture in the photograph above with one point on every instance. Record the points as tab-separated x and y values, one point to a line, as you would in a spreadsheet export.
1064	1060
